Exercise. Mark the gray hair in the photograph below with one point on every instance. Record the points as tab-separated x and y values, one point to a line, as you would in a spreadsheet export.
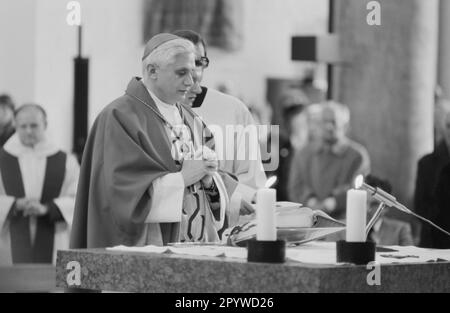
165	53
341	111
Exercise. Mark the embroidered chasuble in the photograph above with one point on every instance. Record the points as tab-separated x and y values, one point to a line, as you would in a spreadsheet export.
130	150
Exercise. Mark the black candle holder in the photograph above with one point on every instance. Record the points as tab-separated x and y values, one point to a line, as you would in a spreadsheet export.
266	251
359	253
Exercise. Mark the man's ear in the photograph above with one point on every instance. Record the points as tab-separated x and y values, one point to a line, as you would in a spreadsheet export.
152	71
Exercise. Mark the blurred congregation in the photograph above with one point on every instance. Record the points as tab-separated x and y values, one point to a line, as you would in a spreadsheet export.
378	104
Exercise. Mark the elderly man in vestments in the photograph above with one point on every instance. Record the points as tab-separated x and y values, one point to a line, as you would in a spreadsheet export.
238	152
149	173
37	192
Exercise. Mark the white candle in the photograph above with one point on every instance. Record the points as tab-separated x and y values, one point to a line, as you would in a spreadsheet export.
265	215
356	215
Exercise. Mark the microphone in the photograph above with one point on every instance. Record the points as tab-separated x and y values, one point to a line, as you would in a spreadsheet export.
381	195
386	199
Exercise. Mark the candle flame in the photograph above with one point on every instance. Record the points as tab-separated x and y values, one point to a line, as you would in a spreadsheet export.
359	181
270	181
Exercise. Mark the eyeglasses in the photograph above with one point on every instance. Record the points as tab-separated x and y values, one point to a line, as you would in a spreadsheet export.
202	62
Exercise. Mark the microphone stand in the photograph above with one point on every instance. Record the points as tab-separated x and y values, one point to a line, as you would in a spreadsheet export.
374	218
389	200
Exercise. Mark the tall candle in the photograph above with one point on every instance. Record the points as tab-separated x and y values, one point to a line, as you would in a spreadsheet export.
356	215
265	215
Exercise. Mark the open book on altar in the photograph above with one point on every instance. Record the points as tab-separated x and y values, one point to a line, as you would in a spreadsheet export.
295	224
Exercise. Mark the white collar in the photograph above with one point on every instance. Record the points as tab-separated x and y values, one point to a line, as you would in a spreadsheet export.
159	103
15	147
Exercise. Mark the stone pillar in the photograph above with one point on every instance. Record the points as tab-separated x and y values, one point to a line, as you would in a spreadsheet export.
387	80
444	47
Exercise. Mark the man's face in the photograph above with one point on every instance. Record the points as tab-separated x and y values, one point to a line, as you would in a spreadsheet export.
30	126
198	76
6	116
174	80
332	129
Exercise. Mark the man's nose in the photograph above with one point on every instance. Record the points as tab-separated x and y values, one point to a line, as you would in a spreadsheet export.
189	80
195	88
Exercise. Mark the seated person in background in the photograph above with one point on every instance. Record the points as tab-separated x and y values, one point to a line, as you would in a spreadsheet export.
6	118
386	231
322	173
440	212
429	168
37	192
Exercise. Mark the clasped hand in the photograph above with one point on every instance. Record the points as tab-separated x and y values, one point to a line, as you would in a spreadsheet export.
30	207
200	168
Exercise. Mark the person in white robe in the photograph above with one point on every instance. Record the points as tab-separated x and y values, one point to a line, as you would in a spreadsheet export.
239	153
38	183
